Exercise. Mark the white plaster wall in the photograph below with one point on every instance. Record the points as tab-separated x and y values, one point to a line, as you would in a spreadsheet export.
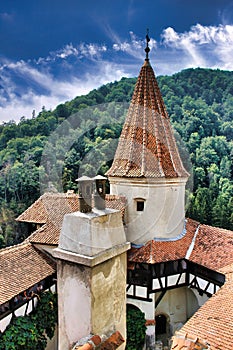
164	209
179	305
144	306
108	296
201	299
92	233
192	303
91	300
74	303
4	322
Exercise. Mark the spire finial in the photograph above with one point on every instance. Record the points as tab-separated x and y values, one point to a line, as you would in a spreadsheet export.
147	49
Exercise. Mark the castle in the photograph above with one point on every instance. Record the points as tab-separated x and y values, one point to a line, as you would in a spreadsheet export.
179	272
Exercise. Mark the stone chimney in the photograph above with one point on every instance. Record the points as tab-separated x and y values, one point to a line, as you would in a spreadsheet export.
91	270
100	192
85	194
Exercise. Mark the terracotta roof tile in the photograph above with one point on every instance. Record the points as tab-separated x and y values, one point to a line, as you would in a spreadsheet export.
22	266
182	341
50	209
150	322
213	247
162	251
214	321
98	343
147	147
47	234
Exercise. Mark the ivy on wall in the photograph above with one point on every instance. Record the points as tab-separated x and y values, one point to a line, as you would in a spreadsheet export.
29	332
136	329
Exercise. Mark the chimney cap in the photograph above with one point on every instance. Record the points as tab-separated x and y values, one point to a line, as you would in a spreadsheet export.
84	178
99	177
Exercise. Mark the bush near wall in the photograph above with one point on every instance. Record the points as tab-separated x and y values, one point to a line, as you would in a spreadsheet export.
136	329
29	332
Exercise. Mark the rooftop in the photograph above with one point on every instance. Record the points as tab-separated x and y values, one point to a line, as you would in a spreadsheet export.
50	209
161	251
22	266
213	247
186	341
207	246
147	146
214	321
202	244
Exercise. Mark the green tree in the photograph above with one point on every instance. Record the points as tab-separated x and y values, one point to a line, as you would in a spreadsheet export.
202	206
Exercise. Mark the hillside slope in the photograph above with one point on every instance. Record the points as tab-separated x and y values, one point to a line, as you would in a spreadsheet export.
80	136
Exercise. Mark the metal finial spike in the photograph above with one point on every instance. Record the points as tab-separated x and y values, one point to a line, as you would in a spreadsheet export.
147	49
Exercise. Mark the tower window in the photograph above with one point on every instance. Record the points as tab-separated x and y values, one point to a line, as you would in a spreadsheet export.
140	205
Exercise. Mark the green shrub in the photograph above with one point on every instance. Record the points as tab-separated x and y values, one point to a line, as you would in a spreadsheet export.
22	334
136	329
29	332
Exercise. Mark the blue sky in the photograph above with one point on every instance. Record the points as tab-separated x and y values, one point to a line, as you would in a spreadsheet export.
52	51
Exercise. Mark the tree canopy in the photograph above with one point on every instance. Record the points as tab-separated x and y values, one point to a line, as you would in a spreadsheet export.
80	136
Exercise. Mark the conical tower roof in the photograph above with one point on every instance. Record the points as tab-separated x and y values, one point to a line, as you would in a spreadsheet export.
147	146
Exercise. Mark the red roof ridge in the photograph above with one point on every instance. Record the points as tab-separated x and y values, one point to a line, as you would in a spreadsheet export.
216	228
14	247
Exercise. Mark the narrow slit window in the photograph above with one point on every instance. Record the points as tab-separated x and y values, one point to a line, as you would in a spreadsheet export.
140	205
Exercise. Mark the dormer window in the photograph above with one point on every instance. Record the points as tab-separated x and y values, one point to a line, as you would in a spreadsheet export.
140	203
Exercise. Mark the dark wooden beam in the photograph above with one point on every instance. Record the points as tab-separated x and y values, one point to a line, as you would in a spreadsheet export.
160	298
138	298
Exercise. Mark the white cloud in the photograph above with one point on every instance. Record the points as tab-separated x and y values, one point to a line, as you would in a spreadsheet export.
87	66
87	50
134	47
59	91
203	46
68	51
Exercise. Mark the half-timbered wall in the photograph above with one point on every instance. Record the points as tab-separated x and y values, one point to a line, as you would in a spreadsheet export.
23	303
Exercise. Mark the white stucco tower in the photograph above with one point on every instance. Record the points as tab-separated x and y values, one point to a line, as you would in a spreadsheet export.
147	168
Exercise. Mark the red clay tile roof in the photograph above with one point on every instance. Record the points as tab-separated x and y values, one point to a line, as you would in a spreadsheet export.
213	247
184	341
95	342
22	266
147	147
50	209
160	251
214	321
47	234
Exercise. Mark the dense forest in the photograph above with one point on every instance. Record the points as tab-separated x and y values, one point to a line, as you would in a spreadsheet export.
49	151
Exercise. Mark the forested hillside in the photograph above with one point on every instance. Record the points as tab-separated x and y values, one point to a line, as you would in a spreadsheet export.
79	137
